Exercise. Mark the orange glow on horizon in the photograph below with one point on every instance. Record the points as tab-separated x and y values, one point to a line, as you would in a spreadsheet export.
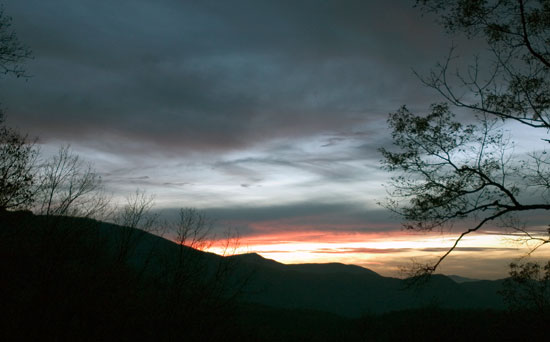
387	252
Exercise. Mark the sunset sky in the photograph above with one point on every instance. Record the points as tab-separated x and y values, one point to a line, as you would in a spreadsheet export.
266	115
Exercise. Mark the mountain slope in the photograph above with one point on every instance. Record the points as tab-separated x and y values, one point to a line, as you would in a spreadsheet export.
352	291
346	290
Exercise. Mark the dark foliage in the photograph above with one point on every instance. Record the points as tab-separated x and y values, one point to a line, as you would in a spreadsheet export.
434	324
17	162
17	153
451	171
527	289
62	281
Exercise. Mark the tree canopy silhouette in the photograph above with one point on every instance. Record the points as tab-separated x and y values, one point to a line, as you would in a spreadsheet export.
17	161
17	153
455	168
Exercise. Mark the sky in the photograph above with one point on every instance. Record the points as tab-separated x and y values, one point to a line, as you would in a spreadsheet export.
265	115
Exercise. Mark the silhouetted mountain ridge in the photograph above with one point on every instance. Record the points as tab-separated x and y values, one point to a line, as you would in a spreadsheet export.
317	268
461	279
351	290
346	290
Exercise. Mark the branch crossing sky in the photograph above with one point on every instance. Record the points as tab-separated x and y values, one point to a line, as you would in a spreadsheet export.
267	115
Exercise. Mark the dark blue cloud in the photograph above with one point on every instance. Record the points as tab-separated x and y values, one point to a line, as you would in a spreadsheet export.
213	75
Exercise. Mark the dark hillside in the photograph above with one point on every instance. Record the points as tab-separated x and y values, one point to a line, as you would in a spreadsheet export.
80	279
352	291
67	279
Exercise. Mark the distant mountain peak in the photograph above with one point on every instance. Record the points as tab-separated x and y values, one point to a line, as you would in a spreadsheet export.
249	256
460	279
255	258
333	267
317	268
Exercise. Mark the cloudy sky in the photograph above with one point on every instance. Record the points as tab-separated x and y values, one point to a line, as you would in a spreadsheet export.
267	115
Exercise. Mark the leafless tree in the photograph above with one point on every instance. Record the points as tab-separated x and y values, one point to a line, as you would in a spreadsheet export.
17	153
199	284
136	212
68	186
12	51
134	218
194	231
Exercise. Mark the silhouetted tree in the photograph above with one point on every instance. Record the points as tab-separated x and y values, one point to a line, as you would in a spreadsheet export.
12	51
17	153
134	218
528	288
193	231
69	186
200	288
17	169
452	171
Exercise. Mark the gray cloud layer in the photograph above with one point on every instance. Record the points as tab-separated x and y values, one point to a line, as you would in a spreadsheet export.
314	216
213	75
256	110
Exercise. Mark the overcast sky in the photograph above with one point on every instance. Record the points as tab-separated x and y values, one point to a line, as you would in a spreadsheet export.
267	114
218	103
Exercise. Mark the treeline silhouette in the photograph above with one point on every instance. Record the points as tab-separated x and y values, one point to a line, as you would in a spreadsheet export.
63	280
69	276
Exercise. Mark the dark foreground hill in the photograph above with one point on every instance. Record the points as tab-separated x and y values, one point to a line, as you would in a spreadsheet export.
78	279
352	291
82	280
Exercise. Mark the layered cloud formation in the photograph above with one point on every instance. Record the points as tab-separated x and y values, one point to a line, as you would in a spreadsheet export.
265	114
219	104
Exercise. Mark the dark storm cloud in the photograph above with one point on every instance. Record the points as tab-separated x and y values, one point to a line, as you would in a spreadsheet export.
276	212
298	217
202	75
